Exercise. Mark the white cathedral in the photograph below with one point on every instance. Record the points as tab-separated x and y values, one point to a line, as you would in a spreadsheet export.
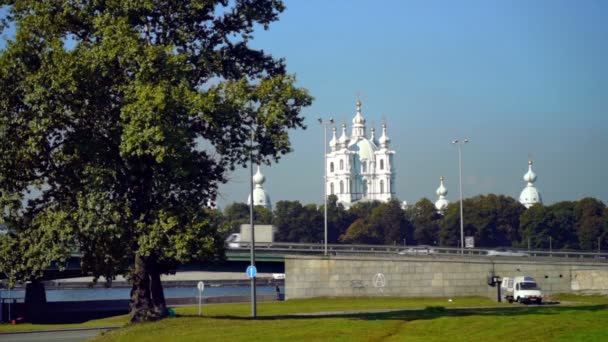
360	168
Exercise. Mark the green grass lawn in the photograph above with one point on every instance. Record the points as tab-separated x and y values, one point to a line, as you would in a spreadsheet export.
585	320
279	308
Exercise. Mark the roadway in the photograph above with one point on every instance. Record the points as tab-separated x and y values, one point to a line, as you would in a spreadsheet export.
71	335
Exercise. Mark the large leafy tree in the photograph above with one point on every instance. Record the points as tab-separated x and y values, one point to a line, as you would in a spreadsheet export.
563	226
589	221
117	121
537	227
338	219
493	220
297	223
425	221
385	224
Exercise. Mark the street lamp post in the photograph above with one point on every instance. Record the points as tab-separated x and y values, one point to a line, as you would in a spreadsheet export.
459	143
252	245
325	123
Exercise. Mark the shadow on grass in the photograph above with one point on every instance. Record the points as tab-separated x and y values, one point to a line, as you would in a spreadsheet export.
427	313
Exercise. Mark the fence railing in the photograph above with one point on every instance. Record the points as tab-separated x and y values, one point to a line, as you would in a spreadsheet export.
338	249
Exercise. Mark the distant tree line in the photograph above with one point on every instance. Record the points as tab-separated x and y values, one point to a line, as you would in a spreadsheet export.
493	221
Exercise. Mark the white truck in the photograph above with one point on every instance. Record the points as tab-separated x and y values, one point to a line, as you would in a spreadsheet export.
263	233
521	289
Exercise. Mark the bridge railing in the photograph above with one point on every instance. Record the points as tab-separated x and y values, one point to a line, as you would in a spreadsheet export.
343	249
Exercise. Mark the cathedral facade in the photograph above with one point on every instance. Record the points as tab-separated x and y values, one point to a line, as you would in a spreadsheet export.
360	168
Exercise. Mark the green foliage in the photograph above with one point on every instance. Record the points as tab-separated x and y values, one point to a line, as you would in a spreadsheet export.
493	220
236	214
386	224
118	120
297	223
338	219
589	221
425	221
555	222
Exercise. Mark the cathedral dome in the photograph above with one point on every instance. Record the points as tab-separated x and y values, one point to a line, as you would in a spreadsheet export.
358	119
530	195
442	203
366	149
260	197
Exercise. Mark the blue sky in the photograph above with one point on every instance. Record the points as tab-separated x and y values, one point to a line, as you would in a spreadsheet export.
517	78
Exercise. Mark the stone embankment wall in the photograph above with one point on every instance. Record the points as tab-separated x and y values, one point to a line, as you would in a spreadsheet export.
434	275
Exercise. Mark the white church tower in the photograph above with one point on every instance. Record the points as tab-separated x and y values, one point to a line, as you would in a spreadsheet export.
442	203
358	168
260	197
530	195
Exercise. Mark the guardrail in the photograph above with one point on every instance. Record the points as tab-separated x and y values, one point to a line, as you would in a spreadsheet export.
337	249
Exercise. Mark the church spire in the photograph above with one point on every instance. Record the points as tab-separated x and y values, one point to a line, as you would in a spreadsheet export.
344	140
372	136
358	130
333	143
384	139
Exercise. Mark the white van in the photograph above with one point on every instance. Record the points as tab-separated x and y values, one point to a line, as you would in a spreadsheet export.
522	289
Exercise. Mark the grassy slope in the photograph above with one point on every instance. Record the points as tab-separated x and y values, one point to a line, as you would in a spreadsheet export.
278	308
527	324
230	322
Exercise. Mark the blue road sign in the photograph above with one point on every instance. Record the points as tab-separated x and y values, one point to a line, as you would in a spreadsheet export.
251	271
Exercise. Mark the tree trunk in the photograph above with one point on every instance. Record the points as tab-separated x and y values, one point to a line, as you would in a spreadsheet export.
156	291
143	306
35	301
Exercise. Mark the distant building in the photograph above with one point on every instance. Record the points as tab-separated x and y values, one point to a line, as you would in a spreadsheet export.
360	168
442	203
530	195
260	197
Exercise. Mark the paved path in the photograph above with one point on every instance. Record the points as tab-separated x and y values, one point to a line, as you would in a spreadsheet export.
59	335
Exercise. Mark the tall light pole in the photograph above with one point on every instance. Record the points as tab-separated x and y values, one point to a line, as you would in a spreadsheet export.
325	123
252	245
459	143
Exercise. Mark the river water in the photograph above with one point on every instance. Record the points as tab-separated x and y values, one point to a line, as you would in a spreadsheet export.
55	295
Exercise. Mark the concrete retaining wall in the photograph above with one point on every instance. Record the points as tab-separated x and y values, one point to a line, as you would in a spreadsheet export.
433	276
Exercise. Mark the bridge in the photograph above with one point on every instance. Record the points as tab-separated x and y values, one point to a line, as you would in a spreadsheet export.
276	251
270	257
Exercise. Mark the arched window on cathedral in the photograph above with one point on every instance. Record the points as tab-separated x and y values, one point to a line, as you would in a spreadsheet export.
331	188
381	164
341	187
364	166
381	185
331	167
341	164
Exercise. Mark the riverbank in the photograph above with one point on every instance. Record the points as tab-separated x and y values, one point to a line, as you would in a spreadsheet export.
179	279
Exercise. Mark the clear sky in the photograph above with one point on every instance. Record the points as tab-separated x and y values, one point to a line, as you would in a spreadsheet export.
517	78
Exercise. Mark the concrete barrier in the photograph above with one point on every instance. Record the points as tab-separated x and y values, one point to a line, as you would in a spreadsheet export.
433	275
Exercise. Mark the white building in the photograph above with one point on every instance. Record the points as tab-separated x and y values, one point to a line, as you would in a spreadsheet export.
530	195
442	203
260	197
360	168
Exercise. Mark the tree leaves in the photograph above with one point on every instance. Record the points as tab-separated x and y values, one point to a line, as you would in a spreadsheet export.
119	119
